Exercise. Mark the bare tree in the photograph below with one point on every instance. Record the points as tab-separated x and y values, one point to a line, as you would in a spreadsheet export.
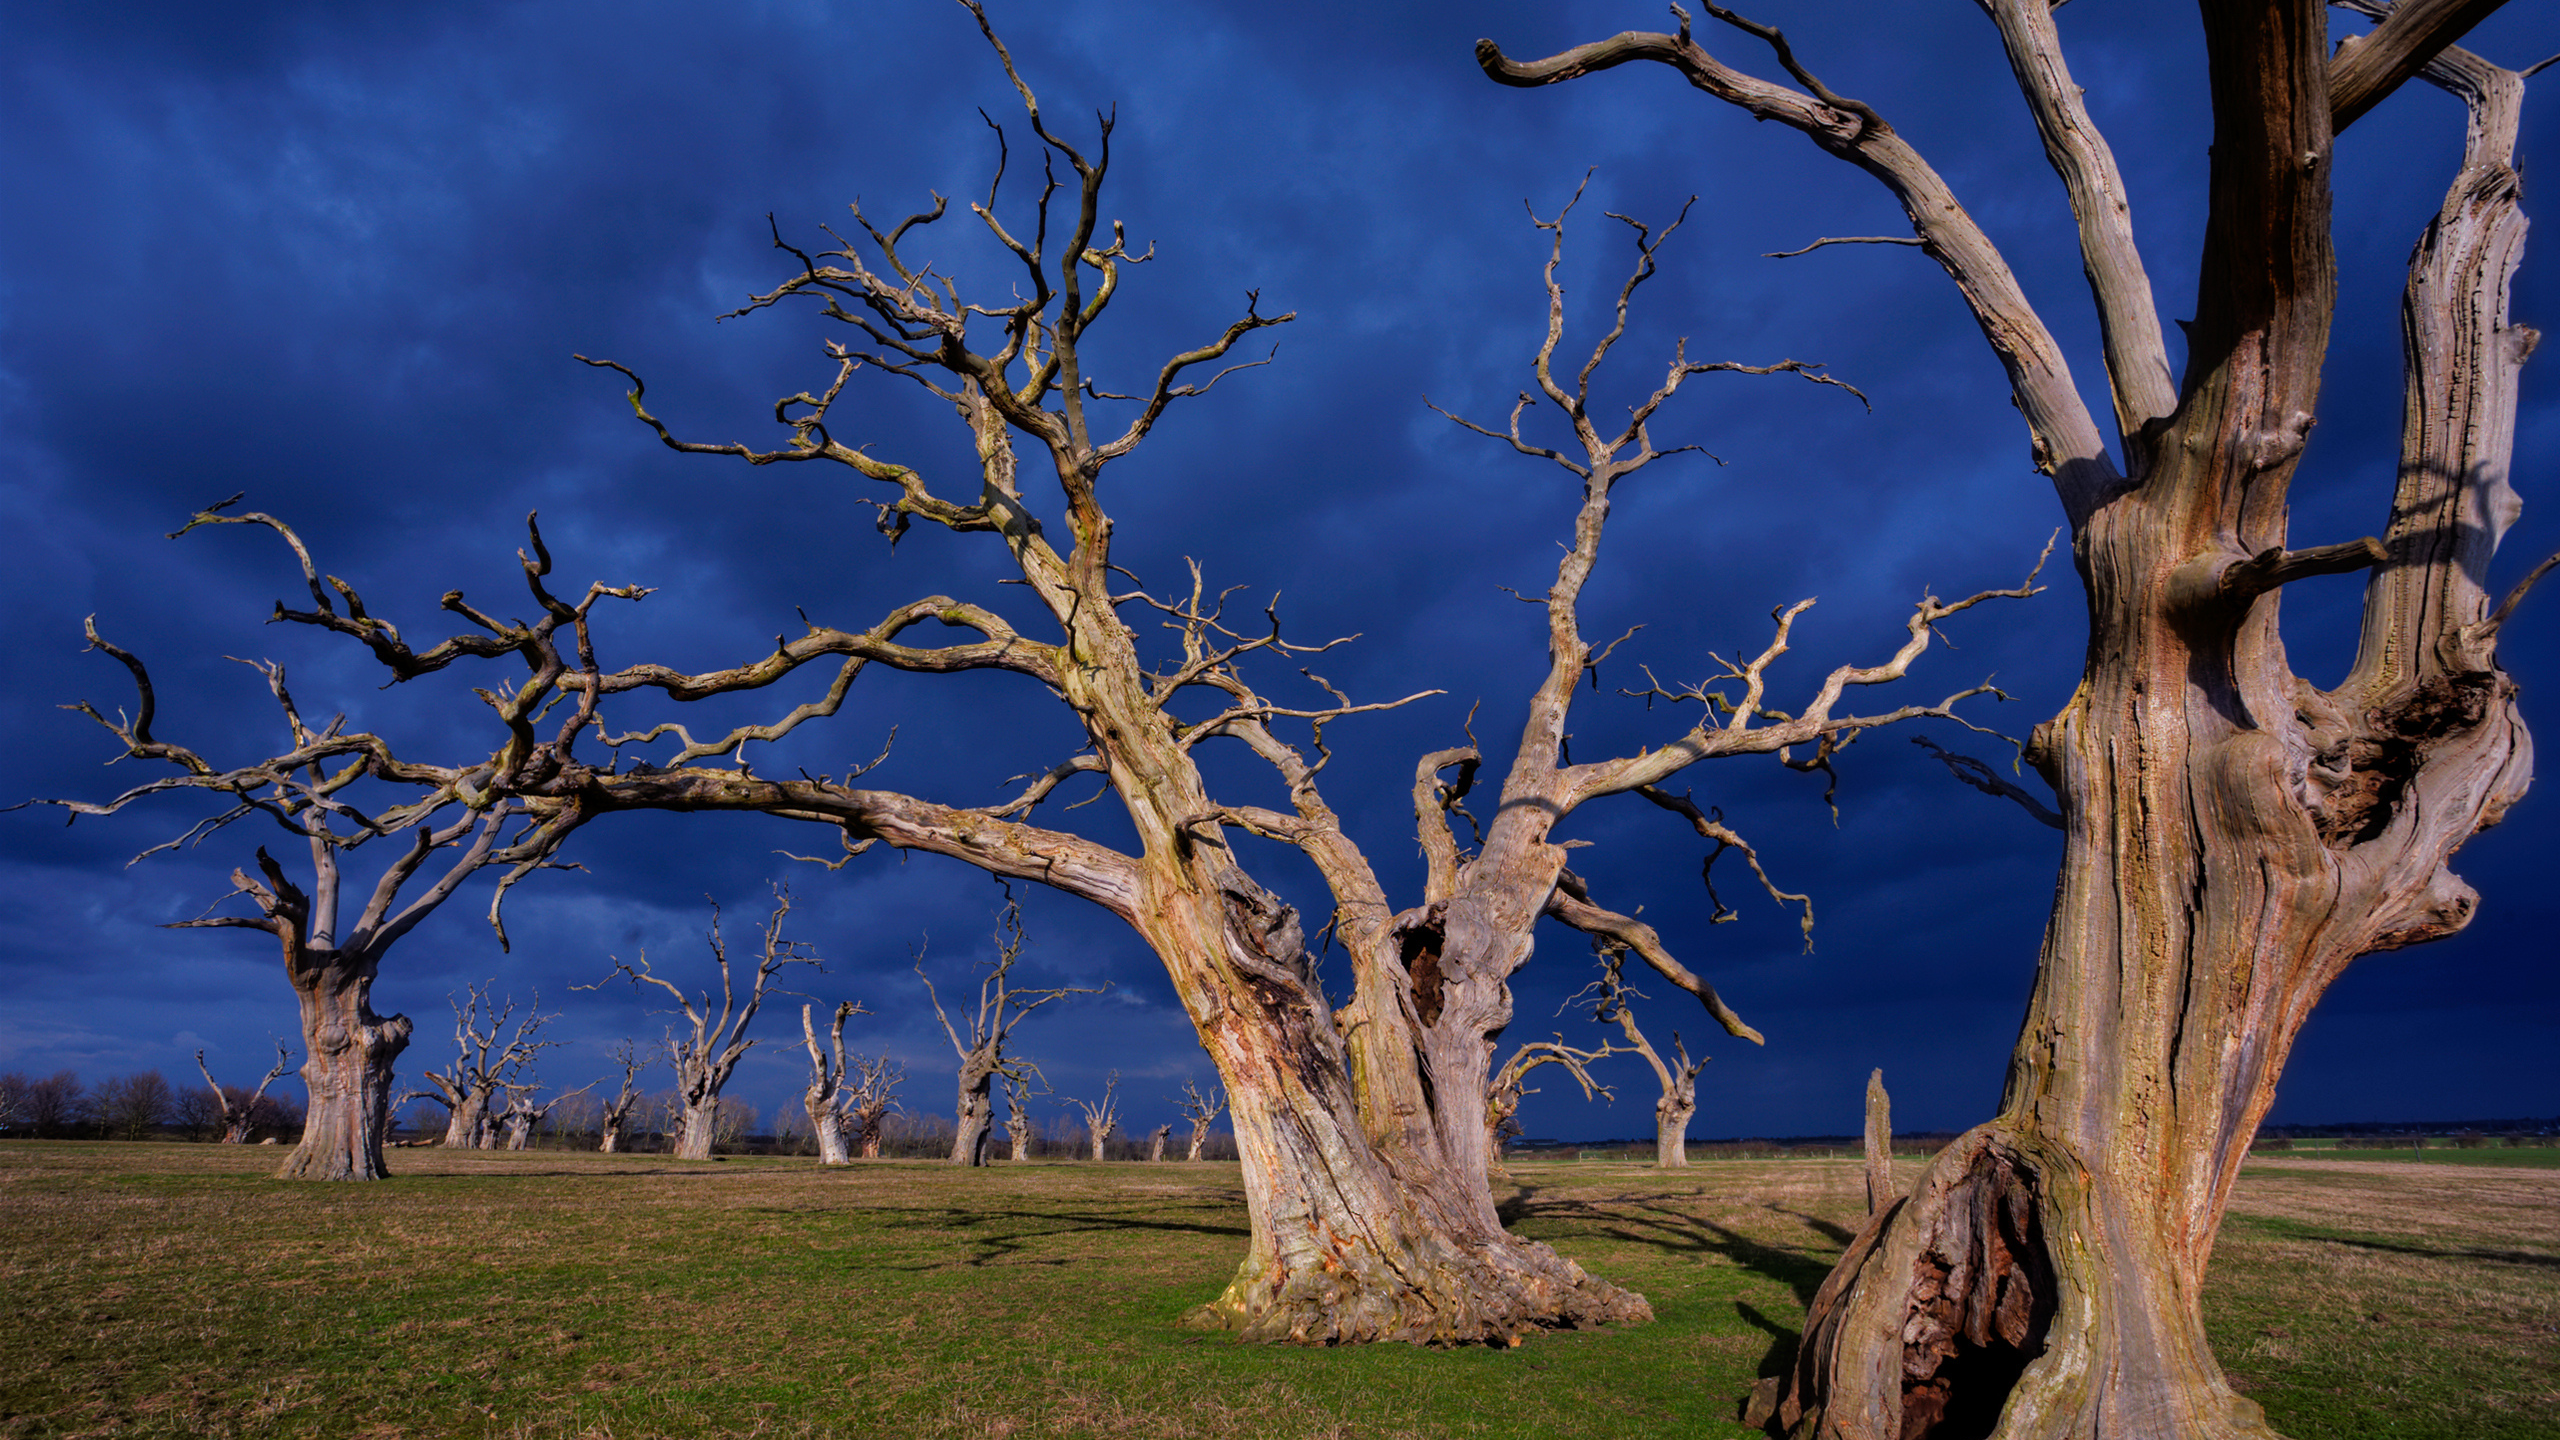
237	1108
1361	1124
835	1084
982	1054
1101	1117
617	1112
1155	1142
1202	1111
704	1056
454	819
875	1094
521	1117
488	1061
2234	835
1678	1076
131	1107
1509	1086
1017	1116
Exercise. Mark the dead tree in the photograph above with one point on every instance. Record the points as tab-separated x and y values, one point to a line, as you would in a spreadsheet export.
453	822
1101	1117
520	1117
488	1062
616	1113
707	1052
1202	1111
1678	1076
1155	1143
982	1054
1361	1124
1509	1086
1017	1116
239	1108
835	1086
2234	835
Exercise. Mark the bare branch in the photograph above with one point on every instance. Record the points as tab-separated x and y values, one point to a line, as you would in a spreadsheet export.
1990	782
1843	240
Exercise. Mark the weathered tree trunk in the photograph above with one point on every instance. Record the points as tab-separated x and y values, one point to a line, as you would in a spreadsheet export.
975	1116
1671	1127
350	1053
1017	1128
609	1134
1155	1144
1879	1145
828	1124
694	1131
1199	1140
2233	837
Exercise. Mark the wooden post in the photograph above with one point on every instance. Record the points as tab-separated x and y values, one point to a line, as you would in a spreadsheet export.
1879	1144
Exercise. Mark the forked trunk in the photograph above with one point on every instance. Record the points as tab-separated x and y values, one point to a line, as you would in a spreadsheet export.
237	1132
609	1138
348	1072
519	1131
2233	837
1352	1239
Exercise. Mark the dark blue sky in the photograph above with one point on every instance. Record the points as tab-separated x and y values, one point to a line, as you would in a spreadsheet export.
339	256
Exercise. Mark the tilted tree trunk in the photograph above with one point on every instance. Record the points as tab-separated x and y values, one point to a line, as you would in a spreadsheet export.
2233	835
1155	1143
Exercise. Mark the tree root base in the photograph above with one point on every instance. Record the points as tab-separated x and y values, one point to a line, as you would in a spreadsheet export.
1496	1296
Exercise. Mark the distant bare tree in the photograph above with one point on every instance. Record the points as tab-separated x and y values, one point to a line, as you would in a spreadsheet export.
487	1061
131	1107
1678	1077
17	1093
54	1105
521	1116
1155	1142
1017	1117
982	1054
834	1084
707	1053
1508	1086
312	791
1202	1111
1101	1117
237	1107
617	1112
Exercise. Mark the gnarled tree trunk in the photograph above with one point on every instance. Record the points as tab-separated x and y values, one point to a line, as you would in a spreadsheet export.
350	1052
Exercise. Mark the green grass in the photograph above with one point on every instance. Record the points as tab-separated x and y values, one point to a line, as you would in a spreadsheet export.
175	1290
2522	1157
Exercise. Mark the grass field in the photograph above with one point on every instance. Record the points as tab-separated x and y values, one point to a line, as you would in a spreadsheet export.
175	1290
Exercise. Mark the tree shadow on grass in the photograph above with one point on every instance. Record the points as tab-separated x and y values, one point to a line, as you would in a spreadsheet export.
995	1247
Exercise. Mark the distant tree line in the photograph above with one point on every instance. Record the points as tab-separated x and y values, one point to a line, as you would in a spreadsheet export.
139	1106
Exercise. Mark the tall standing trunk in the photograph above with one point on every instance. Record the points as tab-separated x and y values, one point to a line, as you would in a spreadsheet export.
1671	1127
2233	837
827	1122
467	1121
1199	1140
694	1129
1017	1128
350	1052
1155	1143
975	1116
